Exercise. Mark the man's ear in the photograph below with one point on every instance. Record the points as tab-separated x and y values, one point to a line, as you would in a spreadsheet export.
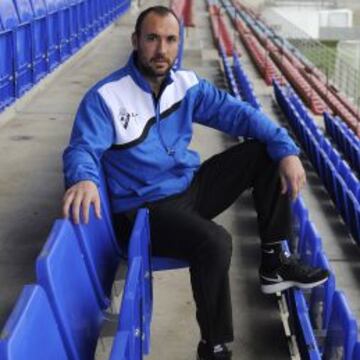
134	41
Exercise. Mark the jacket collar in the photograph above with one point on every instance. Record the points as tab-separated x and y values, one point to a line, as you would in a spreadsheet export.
139	78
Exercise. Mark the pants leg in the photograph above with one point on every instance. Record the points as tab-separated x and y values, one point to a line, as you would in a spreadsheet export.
208	248
224	177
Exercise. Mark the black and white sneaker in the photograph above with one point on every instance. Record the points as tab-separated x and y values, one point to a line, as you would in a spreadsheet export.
291	273
218	352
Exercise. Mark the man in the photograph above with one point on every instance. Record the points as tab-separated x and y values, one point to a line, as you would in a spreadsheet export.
137	123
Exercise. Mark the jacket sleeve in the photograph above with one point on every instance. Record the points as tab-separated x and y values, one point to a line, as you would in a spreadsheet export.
91	135
221	111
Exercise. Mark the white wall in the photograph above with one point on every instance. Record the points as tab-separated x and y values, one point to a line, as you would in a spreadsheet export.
310	19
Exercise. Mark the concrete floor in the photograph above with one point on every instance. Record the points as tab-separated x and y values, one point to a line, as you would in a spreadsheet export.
31	144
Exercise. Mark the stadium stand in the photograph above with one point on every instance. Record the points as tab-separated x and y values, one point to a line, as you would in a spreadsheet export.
37	36
310	82
77	265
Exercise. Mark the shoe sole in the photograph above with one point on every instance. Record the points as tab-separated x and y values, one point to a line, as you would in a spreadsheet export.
278	287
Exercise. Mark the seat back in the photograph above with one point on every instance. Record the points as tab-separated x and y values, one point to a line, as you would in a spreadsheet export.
38	7
24	10
306	339
7	82
19	16
356	354
51	6
320	303
342	331
120	349
310	244
101	255
131	314
40	40
8	15
139	246
62	271
31	332
300	217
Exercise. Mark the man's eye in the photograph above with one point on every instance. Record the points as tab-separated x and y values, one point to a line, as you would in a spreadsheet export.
172	39
151	37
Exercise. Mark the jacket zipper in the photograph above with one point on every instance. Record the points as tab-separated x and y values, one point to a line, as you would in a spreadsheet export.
169	149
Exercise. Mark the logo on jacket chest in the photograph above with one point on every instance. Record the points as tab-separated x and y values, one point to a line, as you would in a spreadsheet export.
125	117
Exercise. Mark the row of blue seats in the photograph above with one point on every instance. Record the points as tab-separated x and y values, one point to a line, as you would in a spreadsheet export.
229	75
338	178
67	307
246	89
75	273
345	139
237	80
327	311
37	35
324	322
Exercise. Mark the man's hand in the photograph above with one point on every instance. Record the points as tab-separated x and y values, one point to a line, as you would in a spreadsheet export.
79	197
292	175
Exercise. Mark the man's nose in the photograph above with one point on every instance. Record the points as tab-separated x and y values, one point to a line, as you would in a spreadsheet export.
162	46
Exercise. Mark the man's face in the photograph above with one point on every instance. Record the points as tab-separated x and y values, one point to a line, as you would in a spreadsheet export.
157	44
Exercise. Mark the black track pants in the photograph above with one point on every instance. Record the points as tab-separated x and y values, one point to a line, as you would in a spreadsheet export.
182	227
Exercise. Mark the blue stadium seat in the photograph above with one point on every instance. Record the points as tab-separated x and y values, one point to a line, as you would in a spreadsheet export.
157	263
20	52
353	184
246	90
24	47
75	25
122	6
329	125
345	139
83	19
300	216
102	254
62	271
342	331
310	244
94	21
40	40
344	170
139	246
306	337
131	315
320	302
339	188
63	11
102	13
7	63
356	354
120	349
52	34
31	332
353	215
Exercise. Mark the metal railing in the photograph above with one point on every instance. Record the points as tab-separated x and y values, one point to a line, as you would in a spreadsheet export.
336	64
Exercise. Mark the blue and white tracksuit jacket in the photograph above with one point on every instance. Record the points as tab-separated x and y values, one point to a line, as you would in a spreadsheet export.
142	142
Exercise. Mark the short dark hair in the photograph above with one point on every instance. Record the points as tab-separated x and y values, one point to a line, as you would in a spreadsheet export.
158	10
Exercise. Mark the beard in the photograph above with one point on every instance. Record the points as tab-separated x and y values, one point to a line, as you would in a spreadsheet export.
149	68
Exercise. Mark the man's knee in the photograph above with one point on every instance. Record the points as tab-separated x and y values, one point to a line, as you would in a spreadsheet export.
253	148
217	245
